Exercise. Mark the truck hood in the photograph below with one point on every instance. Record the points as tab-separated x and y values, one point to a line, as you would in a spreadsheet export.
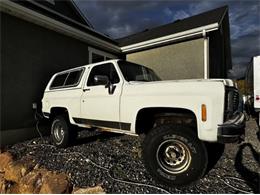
226	82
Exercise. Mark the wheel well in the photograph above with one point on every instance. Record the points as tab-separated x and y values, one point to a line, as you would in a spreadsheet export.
58	111
147	118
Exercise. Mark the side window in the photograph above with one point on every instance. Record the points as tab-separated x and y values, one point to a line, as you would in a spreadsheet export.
59	80
74	77
105	70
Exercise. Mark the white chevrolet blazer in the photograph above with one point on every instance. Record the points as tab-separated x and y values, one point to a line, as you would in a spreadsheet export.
177	117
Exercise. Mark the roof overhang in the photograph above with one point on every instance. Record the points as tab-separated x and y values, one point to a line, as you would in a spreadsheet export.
169	38
15	9
81	14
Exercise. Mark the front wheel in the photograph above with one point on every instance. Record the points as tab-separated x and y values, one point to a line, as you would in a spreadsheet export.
174	155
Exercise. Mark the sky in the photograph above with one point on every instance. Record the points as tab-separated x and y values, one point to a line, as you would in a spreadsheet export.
121	18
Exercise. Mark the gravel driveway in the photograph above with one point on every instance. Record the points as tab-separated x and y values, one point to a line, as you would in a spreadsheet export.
119	157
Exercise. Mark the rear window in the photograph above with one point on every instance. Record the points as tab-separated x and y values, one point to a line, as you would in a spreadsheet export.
73	77
59	80
67	79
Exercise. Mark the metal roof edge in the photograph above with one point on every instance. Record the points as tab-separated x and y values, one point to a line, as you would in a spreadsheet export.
81	14
225	12
169	38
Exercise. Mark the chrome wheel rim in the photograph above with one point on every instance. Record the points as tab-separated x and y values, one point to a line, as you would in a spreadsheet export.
173	156
58	132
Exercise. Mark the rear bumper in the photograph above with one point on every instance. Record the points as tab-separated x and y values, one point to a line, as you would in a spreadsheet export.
46	115
233	129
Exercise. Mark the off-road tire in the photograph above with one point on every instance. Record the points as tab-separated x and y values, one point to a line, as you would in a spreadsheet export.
156	158
63	139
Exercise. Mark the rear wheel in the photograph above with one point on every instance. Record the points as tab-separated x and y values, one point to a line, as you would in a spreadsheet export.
174	155
60	132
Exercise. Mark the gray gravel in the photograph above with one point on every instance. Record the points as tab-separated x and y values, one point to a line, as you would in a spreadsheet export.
121	154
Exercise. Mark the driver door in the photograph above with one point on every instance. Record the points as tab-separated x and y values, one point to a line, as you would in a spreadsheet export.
98	106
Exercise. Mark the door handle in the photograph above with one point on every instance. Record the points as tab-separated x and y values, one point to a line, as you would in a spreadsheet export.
86	89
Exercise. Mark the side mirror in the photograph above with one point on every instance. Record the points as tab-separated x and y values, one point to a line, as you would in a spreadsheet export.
101	80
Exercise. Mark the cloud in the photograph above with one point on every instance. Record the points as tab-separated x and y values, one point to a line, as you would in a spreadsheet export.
237	72
245	47
117	31
167	11
120	18
175	15
180	15
197	7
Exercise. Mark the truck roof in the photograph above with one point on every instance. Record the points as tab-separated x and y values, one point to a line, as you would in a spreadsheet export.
85	66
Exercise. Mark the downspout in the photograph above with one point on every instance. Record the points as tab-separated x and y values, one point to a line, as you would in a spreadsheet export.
206	54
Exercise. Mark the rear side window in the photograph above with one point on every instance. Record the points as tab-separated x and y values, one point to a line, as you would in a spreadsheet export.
67	79
59	80
73	77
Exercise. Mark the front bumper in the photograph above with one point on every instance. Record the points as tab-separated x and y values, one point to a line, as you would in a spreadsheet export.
232	129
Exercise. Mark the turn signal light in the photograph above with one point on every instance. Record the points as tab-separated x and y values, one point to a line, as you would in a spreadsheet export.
203	112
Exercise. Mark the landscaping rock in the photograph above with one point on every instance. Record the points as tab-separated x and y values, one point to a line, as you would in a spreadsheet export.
14	172
18	169
54	183
2	184
91	190
5	159
31	183
12	188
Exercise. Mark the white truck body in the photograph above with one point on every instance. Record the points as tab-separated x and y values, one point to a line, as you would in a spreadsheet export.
94	106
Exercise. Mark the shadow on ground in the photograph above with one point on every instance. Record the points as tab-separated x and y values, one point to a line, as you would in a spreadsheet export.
250	177
215	151
103	136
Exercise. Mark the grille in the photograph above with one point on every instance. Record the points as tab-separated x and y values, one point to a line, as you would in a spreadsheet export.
235	100
231	101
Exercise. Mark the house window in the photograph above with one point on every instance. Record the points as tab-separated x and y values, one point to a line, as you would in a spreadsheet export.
97	58
96	55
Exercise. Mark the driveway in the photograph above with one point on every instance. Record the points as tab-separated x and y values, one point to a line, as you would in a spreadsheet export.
114	162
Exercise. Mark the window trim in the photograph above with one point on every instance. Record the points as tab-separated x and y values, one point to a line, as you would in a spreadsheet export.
68	86
105	55
100	65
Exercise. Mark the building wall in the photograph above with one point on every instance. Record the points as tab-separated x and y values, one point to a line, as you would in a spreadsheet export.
220	51
216	56
30	55
182	60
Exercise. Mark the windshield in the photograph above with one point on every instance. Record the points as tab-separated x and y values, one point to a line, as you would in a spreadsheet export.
136	72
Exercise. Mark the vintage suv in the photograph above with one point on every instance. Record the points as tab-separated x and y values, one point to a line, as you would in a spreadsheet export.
177	117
